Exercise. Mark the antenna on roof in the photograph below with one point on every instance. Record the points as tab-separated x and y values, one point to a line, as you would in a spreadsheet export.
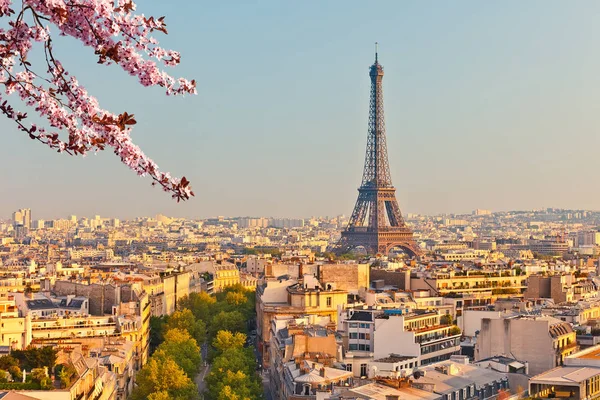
376	48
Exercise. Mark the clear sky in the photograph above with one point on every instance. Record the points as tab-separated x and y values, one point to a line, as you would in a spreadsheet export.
488	105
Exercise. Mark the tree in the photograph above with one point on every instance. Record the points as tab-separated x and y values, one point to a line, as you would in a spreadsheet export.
227	340
36	357
236	298
15	372
200	304
8	361
65	372
164	375
182	348
227	393
234	368
234	385
232	321
232	360
117	36
162	395
454	330
39	376
446	319
157	327
184	319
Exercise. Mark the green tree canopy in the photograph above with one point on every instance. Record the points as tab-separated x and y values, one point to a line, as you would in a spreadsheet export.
182	348
8	361
161	375
235	385
236	298
232	321
228	340
35	357
232	360
157	329
162	395
200	303
184	319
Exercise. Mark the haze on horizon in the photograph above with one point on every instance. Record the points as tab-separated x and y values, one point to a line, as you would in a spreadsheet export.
488	105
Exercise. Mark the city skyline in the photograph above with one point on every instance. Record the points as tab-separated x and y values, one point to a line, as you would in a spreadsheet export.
8	218
479	108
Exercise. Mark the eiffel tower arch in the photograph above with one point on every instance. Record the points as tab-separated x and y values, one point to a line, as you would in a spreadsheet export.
376	222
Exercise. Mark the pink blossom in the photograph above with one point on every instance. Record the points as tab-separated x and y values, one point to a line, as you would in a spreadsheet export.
76	124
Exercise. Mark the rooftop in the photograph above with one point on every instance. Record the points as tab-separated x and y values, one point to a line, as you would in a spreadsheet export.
566	375
591	355
393	358
361	316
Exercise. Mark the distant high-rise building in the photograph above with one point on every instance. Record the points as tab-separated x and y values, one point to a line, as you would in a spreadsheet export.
20	231
286	223
39	224
17	218
481	212
253	222
22	217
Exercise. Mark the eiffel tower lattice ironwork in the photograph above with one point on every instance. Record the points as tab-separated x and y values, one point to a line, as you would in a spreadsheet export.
376	222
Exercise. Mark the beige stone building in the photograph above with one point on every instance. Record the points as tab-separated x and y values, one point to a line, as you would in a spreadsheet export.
554	287
543	341
577	379
296	344
292	298
223	273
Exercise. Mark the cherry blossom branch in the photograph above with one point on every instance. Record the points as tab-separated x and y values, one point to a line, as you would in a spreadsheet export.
117	36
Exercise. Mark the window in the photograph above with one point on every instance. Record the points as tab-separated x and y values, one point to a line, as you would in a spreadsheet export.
361	347
367	347
328	301
353	335
306	389
353	325
364	325
368	336
361	336
363	369
349	367
353	347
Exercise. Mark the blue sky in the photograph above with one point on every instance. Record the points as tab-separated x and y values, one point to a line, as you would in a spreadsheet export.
488	105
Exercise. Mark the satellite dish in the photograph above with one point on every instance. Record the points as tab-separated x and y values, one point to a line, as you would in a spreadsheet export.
417	374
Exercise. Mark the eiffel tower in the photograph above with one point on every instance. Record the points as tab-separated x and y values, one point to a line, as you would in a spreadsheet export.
376	223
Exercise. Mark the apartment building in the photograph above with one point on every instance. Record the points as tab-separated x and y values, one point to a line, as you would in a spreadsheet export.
542	341
470	282
288	297
302	357
577	379
372	335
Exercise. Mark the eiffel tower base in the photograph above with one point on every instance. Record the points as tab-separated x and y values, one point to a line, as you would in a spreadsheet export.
378	242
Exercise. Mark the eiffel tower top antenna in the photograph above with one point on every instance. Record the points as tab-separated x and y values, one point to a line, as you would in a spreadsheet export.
376	48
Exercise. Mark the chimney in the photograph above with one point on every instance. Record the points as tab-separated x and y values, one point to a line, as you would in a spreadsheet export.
314	366
391	397
322	372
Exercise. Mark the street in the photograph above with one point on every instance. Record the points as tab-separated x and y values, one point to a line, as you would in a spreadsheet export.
204	370
266	381
199	380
